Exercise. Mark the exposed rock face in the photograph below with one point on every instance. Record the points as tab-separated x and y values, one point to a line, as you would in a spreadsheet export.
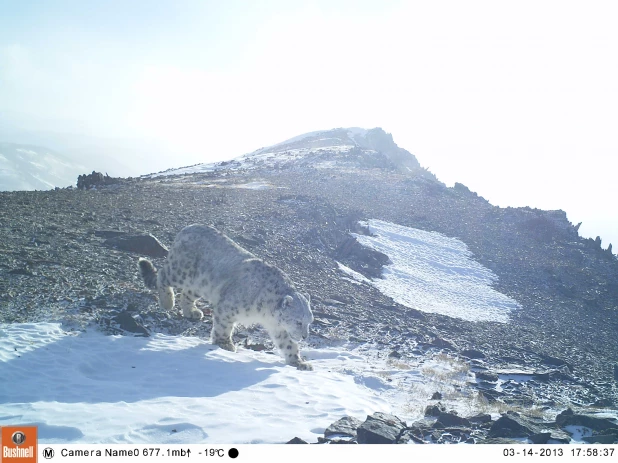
510	428
368	262
95	179
378	140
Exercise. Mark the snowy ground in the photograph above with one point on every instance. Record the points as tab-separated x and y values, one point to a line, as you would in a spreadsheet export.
92	388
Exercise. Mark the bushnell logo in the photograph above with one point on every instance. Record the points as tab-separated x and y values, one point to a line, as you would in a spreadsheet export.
19	444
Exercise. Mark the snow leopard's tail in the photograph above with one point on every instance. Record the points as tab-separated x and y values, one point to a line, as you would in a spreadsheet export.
149	273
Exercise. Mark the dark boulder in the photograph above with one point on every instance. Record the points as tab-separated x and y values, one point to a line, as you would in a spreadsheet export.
559	436
442	344
451	419
512	425
570	418
127	322
486	376
473	354
435	410
556	362
540	438
380	428
345	426
146	245
296	440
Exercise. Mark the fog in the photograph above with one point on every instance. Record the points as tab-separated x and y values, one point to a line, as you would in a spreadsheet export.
515	100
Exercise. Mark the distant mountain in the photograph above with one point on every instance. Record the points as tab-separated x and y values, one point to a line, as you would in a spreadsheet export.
350	140
120	157
341	147
30	167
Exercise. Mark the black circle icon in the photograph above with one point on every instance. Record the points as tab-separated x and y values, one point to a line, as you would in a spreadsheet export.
232	453
18	438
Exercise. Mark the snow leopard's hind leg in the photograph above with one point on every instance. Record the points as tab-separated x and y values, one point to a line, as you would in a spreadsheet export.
166	293
288	348
157	280
187	304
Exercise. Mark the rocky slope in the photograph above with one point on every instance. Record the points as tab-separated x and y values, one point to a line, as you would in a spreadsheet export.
67	254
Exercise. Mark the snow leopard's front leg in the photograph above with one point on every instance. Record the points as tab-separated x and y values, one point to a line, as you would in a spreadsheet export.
187	304
166	297
289	349
222	328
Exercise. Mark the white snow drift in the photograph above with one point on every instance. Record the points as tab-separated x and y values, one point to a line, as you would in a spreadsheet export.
434	273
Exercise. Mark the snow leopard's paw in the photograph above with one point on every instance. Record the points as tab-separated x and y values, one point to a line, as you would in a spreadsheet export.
227	345
303	366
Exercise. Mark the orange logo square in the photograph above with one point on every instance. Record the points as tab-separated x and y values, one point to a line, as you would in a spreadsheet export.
19	444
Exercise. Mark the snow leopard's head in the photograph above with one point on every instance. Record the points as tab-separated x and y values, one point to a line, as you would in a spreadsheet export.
296	315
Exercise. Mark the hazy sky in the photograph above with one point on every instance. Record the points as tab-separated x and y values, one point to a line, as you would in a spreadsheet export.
517	100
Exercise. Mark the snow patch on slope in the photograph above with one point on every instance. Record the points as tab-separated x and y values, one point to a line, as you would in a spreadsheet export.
433	273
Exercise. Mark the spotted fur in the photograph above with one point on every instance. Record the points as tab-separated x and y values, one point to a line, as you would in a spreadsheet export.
204	263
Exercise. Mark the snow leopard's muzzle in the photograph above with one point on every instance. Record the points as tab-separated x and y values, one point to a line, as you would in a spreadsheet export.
299	316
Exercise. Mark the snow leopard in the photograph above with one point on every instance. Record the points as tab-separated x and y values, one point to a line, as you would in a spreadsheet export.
241	288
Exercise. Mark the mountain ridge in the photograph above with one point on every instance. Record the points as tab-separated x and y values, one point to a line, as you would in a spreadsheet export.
349	147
